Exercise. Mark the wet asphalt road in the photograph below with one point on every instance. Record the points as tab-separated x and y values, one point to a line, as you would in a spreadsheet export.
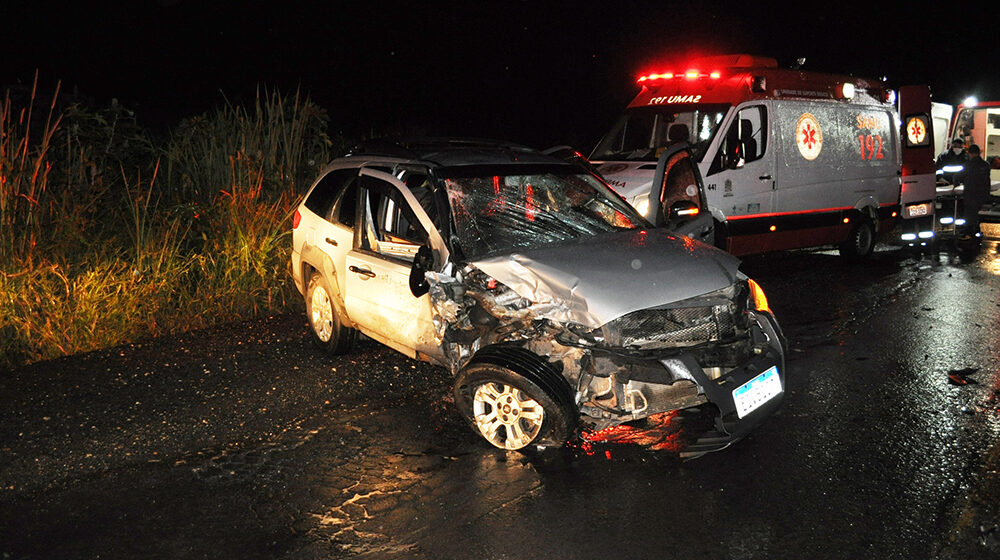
245	442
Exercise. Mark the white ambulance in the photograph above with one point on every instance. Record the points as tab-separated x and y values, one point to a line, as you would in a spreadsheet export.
788	158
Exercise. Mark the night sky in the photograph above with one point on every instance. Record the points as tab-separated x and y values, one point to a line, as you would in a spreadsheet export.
540	73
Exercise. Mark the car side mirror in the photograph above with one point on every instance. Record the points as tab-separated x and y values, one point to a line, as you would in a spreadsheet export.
682	211
422	262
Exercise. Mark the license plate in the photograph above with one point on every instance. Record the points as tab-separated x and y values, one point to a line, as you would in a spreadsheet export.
752	394
915	210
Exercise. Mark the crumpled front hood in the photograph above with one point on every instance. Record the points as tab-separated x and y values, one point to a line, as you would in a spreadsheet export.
594	280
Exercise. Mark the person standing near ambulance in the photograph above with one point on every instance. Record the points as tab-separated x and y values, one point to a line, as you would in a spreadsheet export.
951	162
976	178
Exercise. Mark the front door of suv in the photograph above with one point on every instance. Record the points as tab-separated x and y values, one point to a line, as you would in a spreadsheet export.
391	227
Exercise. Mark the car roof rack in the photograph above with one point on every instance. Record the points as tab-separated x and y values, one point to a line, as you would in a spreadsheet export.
419	148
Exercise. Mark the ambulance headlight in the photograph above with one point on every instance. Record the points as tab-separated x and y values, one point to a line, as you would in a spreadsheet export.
926	234
641	204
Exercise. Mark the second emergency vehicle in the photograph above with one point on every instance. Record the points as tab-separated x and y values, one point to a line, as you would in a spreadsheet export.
979	123
975	122
789	158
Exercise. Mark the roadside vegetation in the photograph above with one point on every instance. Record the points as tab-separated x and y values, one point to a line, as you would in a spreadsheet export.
108	235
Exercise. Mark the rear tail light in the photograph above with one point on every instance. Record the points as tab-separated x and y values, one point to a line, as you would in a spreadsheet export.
296	218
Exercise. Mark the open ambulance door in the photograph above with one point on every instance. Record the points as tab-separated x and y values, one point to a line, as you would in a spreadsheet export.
917	189
677	195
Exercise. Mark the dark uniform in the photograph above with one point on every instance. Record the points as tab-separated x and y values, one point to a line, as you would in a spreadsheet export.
976	179
950	158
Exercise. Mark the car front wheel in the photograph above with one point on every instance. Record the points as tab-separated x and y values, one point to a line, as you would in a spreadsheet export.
328	332
510	411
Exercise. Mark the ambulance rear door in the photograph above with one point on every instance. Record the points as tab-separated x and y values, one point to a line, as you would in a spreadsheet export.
916	197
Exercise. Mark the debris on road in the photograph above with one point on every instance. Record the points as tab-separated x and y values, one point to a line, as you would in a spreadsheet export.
961	376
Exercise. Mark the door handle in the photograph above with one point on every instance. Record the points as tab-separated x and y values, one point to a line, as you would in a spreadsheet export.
331	241
764	177
361	271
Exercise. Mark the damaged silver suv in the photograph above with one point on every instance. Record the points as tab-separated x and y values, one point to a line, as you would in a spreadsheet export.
552	301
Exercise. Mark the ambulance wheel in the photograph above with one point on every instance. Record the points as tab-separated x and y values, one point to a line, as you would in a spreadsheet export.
861	242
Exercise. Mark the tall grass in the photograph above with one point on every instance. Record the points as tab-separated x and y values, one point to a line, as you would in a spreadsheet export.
24	174
107	238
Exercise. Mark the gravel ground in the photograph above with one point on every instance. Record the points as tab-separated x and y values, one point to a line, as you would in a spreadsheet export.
175	398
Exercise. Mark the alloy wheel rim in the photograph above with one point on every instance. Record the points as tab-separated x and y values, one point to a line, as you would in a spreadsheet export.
321	314
506	416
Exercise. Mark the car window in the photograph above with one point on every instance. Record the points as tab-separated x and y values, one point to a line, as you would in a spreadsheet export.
321	198
389	226
345	207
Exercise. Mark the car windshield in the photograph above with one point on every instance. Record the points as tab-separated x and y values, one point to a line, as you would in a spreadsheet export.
501	209
642	132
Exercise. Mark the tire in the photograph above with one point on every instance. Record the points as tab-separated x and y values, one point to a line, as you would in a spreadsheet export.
861	242
968	249
329	333
509	410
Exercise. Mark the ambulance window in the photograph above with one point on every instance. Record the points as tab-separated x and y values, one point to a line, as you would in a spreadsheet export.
745	140
644	132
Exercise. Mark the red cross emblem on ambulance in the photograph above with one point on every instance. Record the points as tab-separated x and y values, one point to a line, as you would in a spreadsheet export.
808	136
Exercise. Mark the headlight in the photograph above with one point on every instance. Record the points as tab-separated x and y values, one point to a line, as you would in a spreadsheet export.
641	204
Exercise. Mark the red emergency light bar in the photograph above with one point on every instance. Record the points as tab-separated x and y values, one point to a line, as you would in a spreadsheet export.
690	75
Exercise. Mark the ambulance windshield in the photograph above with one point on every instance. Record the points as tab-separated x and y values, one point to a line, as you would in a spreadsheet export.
643	132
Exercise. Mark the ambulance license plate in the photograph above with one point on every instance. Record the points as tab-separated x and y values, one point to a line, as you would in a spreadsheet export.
754	393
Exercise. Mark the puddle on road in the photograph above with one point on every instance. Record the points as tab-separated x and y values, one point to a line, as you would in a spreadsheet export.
369	487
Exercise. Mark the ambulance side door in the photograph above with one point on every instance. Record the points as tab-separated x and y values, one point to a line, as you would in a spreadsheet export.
741	173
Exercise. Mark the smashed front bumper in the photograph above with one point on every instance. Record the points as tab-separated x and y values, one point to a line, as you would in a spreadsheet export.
742	393
768	367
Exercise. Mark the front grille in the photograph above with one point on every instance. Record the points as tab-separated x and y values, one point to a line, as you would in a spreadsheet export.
713	317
